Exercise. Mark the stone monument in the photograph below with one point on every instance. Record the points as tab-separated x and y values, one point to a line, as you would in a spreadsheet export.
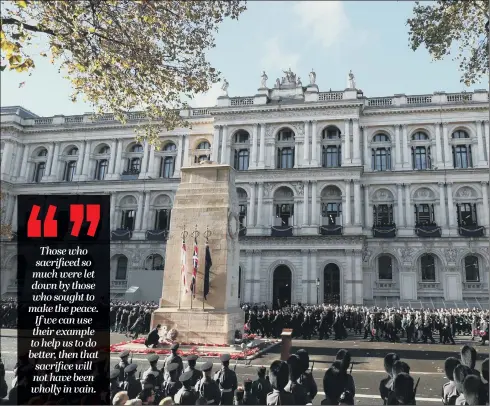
206	199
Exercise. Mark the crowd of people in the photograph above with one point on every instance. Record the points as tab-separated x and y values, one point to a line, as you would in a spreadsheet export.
131	318
373	323
8	313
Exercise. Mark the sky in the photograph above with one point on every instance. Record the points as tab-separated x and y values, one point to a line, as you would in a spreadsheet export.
332	37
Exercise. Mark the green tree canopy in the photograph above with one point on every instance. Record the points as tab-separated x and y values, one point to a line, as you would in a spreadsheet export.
443	24
121	55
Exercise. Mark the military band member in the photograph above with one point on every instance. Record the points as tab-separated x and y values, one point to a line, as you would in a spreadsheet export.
306	377
131	384
261	386
206	387
191	366
227	380
171	385
121	366
279	378
186	395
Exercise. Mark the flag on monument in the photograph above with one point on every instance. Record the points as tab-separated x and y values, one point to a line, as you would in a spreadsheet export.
195	265
183	261
207	266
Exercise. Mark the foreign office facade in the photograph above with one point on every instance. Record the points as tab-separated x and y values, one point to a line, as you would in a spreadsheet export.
342	197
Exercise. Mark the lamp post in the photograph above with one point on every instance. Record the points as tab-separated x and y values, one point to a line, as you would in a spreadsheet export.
317	288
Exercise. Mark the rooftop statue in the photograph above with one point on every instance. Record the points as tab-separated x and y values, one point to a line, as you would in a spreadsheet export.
312	77
263	83
351	81
224	87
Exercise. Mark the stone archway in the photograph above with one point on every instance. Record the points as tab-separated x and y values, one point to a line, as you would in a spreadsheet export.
281	286
331	284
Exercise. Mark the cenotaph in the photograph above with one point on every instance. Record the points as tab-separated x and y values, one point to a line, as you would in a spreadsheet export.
206	199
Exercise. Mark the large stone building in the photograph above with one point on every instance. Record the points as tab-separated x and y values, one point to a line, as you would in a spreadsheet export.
342	197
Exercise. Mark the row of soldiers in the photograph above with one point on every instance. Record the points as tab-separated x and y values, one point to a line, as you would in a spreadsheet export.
374	323
8	313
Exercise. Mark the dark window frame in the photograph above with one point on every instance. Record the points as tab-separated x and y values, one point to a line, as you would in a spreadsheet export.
162	219
428	268
385	271
121	268
70	171
101	164
469	267
39	171
125	216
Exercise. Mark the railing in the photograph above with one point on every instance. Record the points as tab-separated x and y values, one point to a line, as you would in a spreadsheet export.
330	96
419	99
156	235
105	117
386	231
429	285
281	231
121	235
428	231
131	172
473	285
136	116
459	97
43	121
471	231
385	285
74	119
382	101
242	101
121	284
200	112
330	230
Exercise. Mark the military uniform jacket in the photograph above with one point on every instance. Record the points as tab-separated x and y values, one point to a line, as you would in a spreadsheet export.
449	393
196	375
299	392
148	371
173	359
209	390
132	386
385	388
227	384
121	367
260	389
307	380
186	396
171	388
280	398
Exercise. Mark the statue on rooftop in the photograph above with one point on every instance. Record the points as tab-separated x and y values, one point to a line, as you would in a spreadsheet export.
263	83
351	81
312	77
298	82
278	83
224	87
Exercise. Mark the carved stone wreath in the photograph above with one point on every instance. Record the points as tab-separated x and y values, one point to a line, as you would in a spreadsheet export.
451	254
406	254
465	192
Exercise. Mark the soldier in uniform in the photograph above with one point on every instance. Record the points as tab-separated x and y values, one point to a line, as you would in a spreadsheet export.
261	386
248	397
121	366
186	395
153	360
206	387
115	385
449	392
131	384
403	389
386	384
191	366
171	385
279	372
174	358
306	377
227	380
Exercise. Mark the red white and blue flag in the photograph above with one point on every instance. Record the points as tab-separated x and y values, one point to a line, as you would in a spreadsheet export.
195	265
183	269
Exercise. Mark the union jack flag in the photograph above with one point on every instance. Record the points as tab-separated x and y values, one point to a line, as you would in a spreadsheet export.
183	270
195	265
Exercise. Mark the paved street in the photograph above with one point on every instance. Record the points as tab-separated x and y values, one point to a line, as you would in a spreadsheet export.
425	360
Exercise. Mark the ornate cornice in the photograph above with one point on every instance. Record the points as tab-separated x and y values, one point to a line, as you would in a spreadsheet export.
297	175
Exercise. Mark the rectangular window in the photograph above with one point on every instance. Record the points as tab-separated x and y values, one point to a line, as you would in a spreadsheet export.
332	212
128	219
383	215
167	167
242	215
39	171
70	168
284	212
162	219
467	214
424	214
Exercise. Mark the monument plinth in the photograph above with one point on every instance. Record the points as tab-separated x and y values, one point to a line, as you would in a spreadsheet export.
206	198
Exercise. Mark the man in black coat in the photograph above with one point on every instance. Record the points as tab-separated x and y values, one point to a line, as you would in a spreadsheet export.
153	337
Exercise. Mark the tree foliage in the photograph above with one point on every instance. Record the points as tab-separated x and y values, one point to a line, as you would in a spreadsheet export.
5	227
121	55
443	24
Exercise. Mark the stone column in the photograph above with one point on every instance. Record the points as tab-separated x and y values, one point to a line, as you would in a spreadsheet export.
356	146
296	154
347	293
118	163
14	215
314	145
261	163
248	275
365	149
224	141
178	158
406	149
398	150
357	202
251	213
255	134
112	159
448	160
306	146
399	204
150	173
358	277
484	191
144	162
47	172
215	157
450	204
304	296
346	209
487	137
25	163
146	210
186	157
260	205
481	145
258	260
347	154
9	206
314	273
408	207
86	160
18	157
139	212
56	161
80	159
314	197
113	222
442	205
305	203
7	156
439	157
367	209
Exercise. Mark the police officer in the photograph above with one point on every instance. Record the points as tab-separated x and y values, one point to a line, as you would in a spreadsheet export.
227	380
131	384
121	366
191	366
186	395
174	358
115	385
153	360
171	385
261	386
206	387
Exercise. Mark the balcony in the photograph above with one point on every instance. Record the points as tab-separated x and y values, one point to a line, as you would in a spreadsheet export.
119	284
473	230
428	230
474	286
121	234
385	285
130	174
429	285
281	231
242	232
384	231
157	235
331	229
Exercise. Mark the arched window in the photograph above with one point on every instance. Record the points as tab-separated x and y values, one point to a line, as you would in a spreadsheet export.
154	262
134	165
101	169
43	152
121	268
285	149
428	268
241	137
420	136
167	167
331	133
39	171
385	267
460	134
285	136
204	145
381	138
73	151
331	156
424	214
70	168
137	148
170	147
471	269
462	158
104	149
